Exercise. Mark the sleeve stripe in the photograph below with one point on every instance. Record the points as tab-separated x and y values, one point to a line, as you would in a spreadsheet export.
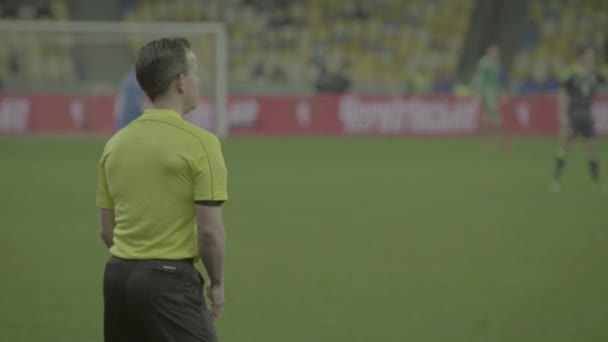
104	204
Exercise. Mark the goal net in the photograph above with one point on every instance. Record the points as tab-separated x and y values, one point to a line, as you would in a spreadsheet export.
83	58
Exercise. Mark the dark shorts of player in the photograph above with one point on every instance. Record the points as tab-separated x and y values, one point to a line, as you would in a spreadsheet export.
581	126
155	301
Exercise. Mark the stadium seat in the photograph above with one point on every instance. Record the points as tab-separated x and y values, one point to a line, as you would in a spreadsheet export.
564	26
345	29
59	9
22	53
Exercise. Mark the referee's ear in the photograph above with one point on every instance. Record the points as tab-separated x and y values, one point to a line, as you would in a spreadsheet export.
180	82
210	203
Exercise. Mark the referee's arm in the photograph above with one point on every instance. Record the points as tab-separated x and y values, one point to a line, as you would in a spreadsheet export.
211	239
106	226
210	191
212	247
106	207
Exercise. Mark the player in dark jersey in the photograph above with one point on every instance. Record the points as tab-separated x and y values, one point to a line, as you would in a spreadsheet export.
579	85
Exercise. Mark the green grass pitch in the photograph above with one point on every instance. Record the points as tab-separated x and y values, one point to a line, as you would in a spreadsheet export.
334	240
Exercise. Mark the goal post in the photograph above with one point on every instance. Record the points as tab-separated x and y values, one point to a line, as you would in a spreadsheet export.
94	56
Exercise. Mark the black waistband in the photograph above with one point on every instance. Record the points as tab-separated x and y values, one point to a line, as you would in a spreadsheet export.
187	260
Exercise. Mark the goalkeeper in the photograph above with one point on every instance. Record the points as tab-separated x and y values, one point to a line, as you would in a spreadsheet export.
487	87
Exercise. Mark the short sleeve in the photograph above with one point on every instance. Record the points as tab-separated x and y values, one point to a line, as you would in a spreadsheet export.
209	171
104	200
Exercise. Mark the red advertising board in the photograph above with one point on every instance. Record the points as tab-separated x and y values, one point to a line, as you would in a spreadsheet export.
531	115
428	115
300	115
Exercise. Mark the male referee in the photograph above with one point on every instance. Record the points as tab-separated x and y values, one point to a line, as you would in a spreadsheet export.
161	183
579	85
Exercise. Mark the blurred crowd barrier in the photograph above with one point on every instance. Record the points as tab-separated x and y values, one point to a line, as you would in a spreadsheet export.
425	115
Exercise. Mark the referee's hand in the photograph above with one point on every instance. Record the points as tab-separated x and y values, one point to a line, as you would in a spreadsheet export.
216	295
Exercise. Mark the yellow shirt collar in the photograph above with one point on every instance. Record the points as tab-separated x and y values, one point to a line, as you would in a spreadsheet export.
162	112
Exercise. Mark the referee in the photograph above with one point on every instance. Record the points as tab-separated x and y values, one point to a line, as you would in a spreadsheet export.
161	184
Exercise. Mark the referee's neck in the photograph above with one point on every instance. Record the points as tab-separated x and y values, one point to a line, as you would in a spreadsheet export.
169	102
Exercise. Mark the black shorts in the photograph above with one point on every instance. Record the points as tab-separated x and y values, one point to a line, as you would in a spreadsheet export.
154	301
582	126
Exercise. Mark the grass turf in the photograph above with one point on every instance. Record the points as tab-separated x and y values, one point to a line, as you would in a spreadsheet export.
334	240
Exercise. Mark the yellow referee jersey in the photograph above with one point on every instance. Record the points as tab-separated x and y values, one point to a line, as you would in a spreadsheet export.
151	173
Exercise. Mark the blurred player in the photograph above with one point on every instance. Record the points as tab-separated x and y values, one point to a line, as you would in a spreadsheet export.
486	84
579	85
129	103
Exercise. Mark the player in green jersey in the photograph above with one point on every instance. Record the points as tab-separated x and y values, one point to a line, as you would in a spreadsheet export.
488	91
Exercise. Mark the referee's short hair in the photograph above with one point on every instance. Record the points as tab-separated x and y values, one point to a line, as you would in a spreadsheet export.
159	62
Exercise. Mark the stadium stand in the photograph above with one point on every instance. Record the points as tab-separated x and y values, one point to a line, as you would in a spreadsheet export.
286	42
382	45
555	30
31	58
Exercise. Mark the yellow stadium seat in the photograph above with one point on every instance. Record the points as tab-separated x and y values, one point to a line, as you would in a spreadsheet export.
59	9
462	90
447	22
181	12
35	69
